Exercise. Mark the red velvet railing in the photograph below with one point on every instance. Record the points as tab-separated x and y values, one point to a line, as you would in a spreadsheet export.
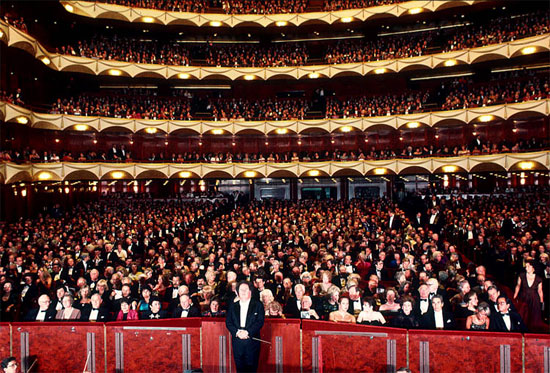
180	344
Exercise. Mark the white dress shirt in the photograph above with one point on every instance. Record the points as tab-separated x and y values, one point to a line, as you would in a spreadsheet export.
244	310
507	321
93	315
439	323
41	316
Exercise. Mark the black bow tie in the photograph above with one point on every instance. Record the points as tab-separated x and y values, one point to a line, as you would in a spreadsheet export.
505	314
42	311
185	310
95	309
423	300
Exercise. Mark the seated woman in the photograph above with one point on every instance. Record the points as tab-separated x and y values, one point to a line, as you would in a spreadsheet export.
145	301
480	319
214	309
68	312
125	312
369	316
390	305
274	310
331	302
342	314
406	318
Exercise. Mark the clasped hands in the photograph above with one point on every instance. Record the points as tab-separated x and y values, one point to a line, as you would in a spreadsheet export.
242	334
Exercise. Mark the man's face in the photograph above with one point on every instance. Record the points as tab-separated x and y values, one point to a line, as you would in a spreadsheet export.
60	293
407	308
12	367
437	305
244	293
155	306
185	301
299	292
96	301
43	303
502	305
424	291
493	295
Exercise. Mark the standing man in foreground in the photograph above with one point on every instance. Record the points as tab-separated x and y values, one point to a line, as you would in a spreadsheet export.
244	321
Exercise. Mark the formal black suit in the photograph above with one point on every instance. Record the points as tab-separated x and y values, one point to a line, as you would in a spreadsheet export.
291	308
102	315
193	312
31	316
416	309
428	320
516	323
246	351
149	315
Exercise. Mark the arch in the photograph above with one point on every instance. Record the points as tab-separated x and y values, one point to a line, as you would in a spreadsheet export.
527	114
374	171
308	173
249	131
185	131
313	131
215	76
289	23
247	24
115	128
281	76
415	170
112	173
218	174
282	174
82	175
448	122
379	127
177	175
176	76
242	175
21	176
351	128
114	15
314	22
45	125
78	68
159	131
415	67
449	5
343	74
25	45
405	126
518	166
150	74
53	176
182	22
151	174
123	73
487	167
538	49
458	169
380	16
347	172
289	131
488	57
89	129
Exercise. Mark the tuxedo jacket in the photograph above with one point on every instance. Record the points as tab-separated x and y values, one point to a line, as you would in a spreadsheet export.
193	312
254	320
416	310
428	320
291	308
31	316
102	316
516	323
149	315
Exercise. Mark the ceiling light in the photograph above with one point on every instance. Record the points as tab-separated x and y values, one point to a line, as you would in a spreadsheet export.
115	72
217	131
346	19
45	60
380	71
117	174
148	19
185	174
250	173
314	75
184	76
1	33
450	63
486	118
249	77
449	169
215	23
413	125
281	23
22	120
44	176
528	50
69	8
415	10
151	130
345	129
380	171
281	131
314	173
526	165
81	127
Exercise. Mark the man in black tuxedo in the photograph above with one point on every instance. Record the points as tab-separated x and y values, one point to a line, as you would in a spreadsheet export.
43	312
423	303
506	320
394	222
186	308
244	321
437	317
294	304
96	312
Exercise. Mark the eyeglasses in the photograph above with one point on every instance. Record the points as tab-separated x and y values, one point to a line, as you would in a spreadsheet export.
12	364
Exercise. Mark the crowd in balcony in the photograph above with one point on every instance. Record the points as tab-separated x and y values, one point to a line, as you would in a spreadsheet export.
144	50
17	22
120	153
264	7
333	5
364	261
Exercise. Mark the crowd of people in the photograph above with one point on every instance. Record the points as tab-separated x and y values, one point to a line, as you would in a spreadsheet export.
119	153
334	5
365	260
151	51
455	94
18	23
193	6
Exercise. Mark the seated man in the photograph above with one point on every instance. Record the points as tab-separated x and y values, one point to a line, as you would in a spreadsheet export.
97	312
186	308
155	311
43	312
437	317
506	320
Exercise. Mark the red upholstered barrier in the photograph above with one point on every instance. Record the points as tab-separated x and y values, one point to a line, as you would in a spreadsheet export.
285	346
59	346
5	339
463	351
159	345
216	346
537	348
341	347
